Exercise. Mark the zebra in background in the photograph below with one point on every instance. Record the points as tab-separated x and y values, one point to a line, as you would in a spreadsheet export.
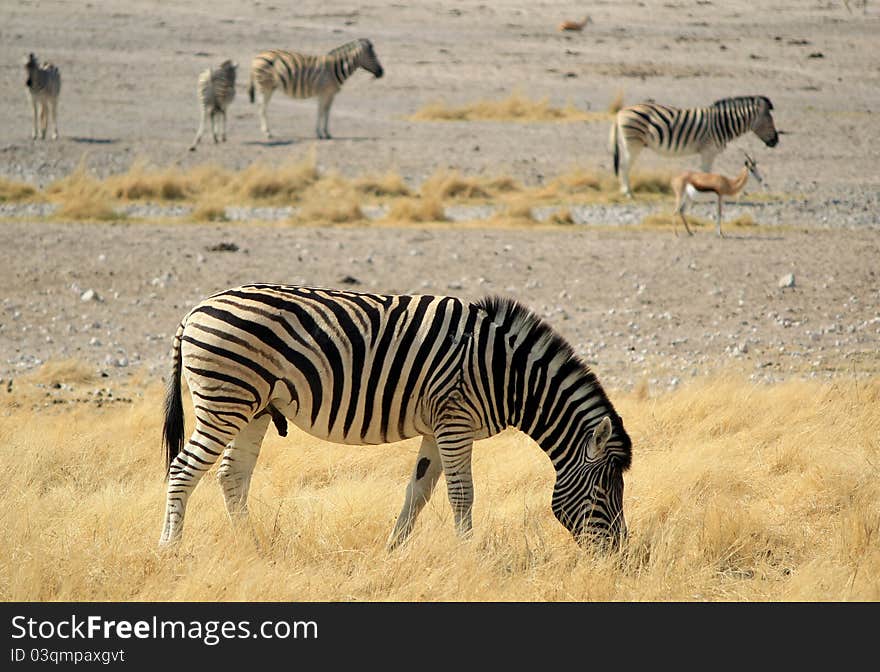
216	90
366	369
304	76
679	132
43	85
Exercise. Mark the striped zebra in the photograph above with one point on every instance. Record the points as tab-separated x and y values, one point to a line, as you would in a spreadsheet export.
366	369
216	90
304	76
679	132
43	85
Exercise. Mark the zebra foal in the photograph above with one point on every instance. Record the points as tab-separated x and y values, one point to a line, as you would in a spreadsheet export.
365	369
305	76
43	85
216	90
679	132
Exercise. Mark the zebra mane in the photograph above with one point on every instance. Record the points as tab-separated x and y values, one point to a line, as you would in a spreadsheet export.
349	47
741	100
516	318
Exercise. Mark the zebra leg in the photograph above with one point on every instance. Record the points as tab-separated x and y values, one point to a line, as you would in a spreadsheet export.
205	445
237	465
36	118
628	156
418	491
265	96
44	119
718	218
201	130
214	126
53	108
455	456
222	115
324	103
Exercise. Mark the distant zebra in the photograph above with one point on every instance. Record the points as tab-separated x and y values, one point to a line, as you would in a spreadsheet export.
216	90
303	76
358	369
679	132
43	85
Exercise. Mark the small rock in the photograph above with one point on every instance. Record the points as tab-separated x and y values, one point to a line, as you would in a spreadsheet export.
89	295
350	280
786	280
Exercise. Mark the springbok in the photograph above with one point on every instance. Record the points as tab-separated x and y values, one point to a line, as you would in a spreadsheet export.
688	184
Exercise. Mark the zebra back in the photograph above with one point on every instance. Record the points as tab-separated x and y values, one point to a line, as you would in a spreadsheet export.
216	86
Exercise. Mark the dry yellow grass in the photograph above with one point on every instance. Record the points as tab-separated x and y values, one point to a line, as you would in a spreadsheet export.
428	209
12	191
516	107
80	195
209	212
143	183
737	492
672	221
390	184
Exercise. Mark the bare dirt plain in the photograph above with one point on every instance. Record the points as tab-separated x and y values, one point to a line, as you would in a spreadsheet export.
640	304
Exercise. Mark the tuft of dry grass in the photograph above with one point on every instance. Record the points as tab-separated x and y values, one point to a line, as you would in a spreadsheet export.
738	492
562	217
280	185
142	183
423	209
516	107
12	191
210	212
81	196
331	212
62	371
651	182
517	211
388	185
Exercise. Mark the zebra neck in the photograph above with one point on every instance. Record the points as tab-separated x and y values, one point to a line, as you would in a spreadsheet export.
559	404
730	122
342	66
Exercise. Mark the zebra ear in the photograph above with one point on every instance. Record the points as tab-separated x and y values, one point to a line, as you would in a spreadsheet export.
599	439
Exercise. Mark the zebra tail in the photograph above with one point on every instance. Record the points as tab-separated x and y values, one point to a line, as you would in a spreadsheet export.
172	432
614	147
251	89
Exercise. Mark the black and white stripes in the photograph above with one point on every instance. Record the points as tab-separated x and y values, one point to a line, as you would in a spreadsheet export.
678	132
360	369
43	84
216	90
307	76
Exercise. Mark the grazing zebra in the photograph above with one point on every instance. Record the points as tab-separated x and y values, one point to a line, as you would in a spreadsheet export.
358	369
304	76
216	89
43	85
679	132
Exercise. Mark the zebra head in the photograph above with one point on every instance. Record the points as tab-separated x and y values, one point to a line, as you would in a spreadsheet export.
588	495
229	68
367	59
762	122
30	64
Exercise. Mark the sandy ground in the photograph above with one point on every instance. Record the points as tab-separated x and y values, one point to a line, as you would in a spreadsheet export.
640	304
